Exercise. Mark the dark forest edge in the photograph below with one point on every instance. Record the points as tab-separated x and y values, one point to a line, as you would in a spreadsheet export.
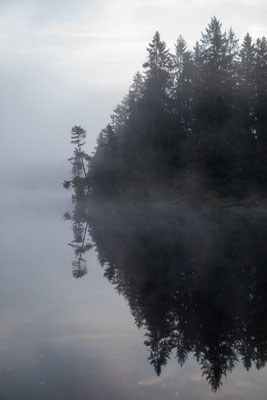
190	134
192	126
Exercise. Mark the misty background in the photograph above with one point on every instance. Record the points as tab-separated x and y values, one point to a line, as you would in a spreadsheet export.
69	63
66	63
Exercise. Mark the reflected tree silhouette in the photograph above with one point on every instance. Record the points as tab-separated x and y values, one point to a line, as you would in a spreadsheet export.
80	247
195	280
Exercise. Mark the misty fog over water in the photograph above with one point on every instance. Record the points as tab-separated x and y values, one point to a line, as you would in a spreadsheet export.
64	338
140	282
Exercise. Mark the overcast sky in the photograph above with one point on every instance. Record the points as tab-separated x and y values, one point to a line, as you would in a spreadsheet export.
67	62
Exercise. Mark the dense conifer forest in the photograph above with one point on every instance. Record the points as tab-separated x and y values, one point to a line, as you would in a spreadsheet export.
192	126
194	122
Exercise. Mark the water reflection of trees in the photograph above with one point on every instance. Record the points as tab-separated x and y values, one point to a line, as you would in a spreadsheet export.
195	281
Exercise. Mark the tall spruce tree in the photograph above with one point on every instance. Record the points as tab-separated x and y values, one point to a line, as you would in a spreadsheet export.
183	85
104	167
247	86
158	136
214	71
158	73
261	88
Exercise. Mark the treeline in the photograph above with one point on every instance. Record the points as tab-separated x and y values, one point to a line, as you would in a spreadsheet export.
190	119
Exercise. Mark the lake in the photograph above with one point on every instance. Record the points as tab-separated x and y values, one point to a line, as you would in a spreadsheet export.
163	288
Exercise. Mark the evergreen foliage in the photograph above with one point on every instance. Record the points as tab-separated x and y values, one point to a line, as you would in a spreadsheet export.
192	115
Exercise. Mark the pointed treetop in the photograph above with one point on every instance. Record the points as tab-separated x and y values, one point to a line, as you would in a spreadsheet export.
232	43
247	53
158	55
180	45
214	38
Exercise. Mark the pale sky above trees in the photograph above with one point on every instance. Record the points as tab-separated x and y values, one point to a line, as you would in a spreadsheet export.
69	62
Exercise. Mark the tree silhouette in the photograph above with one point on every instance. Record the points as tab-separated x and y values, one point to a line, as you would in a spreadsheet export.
194	280
200	110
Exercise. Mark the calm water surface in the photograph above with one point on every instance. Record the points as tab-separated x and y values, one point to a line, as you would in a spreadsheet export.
66	338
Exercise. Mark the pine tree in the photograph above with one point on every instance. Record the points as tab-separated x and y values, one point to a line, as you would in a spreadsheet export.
158	73
183	86
128	106
78	135
232	60
247	86
104	167
80	180
214	73
261	88
180	50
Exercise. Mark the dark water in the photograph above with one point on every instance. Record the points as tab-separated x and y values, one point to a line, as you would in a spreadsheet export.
190	284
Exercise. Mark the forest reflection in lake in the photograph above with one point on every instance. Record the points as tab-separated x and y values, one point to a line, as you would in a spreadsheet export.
194	279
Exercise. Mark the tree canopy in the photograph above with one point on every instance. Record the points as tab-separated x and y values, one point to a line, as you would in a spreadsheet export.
199	114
